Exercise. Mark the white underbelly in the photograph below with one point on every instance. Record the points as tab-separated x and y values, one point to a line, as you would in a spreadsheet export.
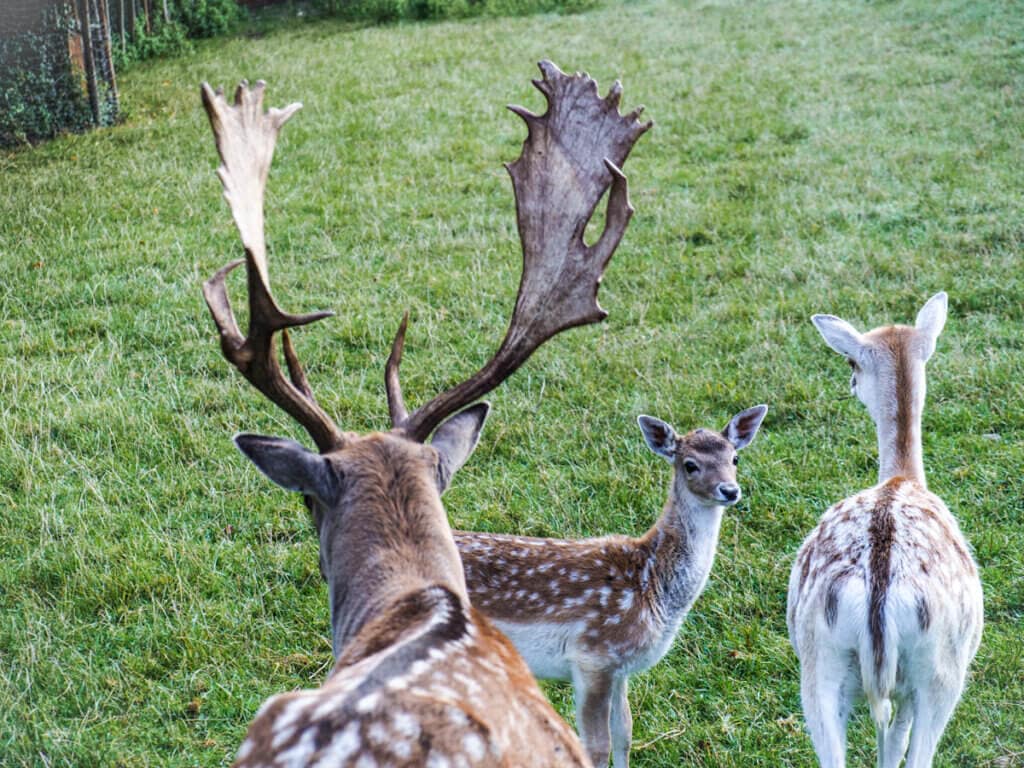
546	647
649	653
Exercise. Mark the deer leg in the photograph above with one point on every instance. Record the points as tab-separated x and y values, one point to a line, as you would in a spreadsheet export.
621	722
827	698
593	690
896	738
933	706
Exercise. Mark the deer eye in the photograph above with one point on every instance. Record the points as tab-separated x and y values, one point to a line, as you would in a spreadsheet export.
852	363
690	466
735	460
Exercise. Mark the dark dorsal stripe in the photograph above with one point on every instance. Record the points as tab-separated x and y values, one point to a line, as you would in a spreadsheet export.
880	538
903	351
423	605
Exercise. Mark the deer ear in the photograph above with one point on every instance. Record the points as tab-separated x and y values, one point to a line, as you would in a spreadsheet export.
290	465
841	336
455	440
660	437
930	321
740	431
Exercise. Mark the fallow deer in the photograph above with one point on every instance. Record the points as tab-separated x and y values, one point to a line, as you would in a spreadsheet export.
421	678
594	611
884	596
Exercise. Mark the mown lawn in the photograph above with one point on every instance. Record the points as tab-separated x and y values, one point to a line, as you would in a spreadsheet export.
843	157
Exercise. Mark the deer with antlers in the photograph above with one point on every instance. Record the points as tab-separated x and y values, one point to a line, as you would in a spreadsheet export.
594	611
421	677
884	597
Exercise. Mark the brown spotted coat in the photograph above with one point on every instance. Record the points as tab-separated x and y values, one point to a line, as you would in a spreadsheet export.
429	683
594	611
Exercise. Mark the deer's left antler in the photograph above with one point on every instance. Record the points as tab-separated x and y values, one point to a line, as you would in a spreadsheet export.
572	154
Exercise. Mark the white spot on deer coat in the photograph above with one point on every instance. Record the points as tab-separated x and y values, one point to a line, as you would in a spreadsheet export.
344	744
401	748
289	714
474	746
458	717
282	736
301	752
245	749
405	724
368	702
397	684
378	733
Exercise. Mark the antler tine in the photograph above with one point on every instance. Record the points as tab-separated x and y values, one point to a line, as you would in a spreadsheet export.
571	156
245	138
396	403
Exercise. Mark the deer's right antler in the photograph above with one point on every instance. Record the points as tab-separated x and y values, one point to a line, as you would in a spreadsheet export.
571	155
245	137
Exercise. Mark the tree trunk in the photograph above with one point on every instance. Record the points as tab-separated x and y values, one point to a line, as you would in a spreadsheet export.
105	60
85	23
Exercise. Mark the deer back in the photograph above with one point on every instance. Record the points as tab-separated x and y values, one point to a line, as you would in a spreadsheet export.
404	634
421	686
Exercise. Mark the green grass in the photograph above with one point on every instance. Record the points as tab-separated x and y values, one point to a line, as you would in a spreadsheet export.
844	157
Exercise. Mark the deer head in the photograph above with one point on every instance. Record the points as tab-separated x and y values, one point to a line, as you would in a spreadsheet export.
888	377
704	460
376	498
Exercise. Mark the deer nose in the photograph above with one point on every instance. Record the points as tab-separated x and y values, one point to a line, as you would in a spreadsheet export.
729	492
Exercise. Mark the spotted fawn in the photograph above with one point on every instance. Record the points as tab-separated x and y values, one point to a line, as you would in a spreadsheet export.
594	611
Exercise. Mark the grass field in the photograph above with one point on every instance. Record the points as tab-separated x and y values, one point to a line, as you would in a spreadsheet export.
845	157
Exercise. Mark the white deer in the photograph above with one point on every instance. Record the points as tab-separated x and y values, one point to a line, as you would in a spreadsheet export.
421	679
884	596
594	611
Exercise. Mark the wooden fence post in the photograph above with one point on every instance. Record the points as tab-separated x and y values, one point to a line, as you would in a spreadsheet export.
85	24
105	61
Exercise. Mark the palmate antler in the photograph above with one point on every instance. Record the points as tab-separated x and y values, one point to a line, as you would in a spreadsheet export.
245	137
572	154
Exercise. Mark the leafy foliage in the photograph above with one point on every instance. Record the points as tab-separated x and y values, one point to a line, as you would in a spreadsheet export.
40	95
189	20
166	39
393	10
208	18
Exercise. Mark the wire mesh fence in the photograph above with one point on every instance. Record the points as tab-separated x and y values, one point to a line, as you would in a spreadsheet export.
56	69
58	57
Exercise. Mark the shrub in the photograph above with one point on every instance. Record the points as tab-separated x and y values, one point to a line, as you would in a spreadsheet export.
40	96
208	18
166	39
392	10
190	19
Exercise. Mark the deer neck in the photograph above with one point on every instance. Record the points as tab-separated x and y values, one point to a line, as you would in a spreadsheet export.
385	552
898	420
683	543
